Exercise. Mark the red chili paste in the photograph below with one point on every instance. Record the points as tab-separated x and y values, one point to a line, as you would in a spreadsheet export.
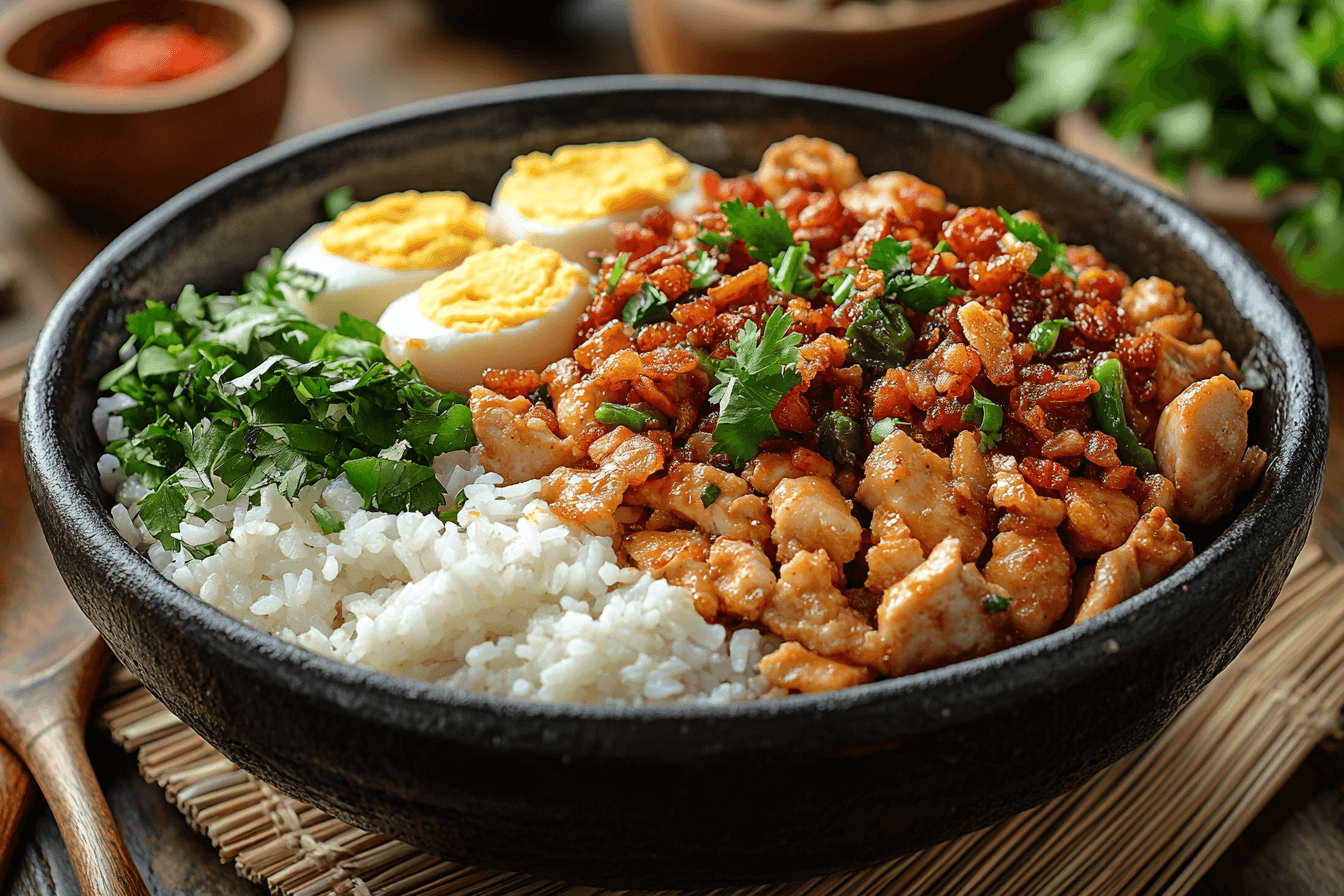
132	54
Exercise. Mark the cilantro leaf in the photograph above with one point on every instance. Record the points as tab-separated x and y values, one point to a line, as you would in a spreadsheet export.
1053	253
764	230
918	292
647	306
704	270
921	293
986	415
750	383
889	256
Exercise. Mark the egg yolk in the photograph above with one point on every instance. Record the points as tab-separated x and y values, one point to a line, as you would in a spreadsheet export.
580	183
500	288
409	231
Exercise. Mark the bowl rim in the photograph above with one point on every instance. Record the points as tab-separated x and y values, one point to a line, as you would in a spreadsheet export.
272	29
526	728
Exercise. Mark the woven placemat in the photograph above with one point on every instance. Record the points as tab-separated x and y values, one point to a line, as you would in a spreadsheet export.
1151	824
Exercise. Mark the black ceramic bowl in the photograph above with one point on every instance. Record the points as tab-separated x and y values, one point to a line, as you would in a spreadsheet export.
676	796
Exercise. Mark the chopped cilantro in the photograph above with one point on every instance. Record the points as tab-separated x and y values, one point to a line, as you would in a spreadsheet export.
714	238
704	270
764	230
337	201
622	415
617	269
918	292
647	306
1045	334
1053	253
710	495
988	416
751	382
327	521
923	294
890	256
885	427
995	603
244	388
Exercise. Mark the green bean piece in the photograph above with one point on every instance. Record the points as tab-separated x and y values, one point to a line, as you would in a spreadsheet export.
622	415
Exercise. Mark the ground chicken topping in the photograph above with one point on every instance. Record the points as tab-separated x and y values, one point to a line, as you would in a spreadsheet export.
894	432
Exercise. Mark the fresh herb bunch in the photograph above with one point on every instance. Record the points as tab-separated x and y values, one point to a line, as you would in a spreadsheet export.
1249	88
247	389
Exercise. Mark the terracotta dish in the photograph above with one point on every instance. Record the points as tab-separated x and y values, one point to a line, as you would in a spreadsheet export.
677	796
952	52
109	155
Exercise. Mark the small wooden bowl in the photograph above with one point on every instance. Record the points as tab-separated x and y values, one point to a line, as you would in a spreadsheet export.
109	155
950	52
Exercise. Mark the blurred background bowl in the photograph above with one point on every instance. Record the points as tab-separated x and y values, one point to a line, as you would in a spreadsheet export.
951	52
110	154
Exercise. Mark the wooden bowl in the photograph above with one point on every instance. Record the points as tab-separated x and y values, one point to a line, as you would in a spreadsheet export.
952	52
109	155
661	796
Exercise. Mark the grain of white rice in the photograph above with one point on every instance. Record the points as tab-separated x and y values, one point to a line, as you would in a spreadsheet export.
511	601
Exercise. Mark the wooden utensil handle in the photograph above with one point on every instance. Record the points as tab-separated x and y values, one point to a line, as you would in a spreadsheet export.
58	762
16	796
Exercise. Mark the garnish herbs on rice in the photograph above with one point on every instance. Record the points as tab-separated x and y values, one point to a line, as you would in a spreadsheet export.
244	387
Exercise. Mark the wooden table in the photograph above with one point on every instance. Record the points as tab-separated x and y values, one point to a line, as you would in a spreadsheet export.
352	57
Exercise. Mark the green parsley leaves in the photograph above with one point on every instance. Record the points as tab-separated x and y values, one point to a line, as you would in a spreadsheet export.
245	388
751	382
1052	251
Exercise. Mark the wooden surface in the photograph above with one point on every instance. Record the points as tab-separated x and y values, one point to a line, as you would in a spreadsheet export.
357	56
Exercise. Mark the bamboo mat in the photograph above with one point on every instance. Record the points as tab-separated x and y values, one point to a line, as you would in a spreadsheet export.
1151	824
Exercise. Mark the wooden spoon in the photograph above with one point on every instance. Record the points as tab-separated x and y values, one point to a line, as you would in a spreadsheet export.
51	662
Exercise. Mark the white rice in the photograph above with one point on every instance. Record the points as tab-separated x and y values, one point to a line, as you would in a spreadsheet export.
511	601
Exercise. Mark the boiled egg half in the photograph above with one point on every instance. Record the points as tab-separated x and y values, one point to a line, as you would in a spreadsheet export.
375	251
569	200
514	306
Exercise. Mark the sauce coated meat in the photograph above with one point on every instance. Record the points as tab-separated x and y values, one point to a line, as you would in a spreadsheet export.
894	432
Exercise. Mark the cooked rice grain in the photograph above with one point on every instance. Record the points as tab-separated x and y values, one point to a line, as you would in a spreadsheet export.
510	602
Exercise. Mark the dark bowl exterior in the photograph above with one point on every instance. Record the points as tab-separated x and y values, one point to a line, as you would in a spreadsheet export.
676	796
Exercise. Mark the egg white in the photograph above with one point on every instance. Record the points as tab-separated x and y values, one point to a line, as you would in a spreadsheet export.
453	361
361	289
577	242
